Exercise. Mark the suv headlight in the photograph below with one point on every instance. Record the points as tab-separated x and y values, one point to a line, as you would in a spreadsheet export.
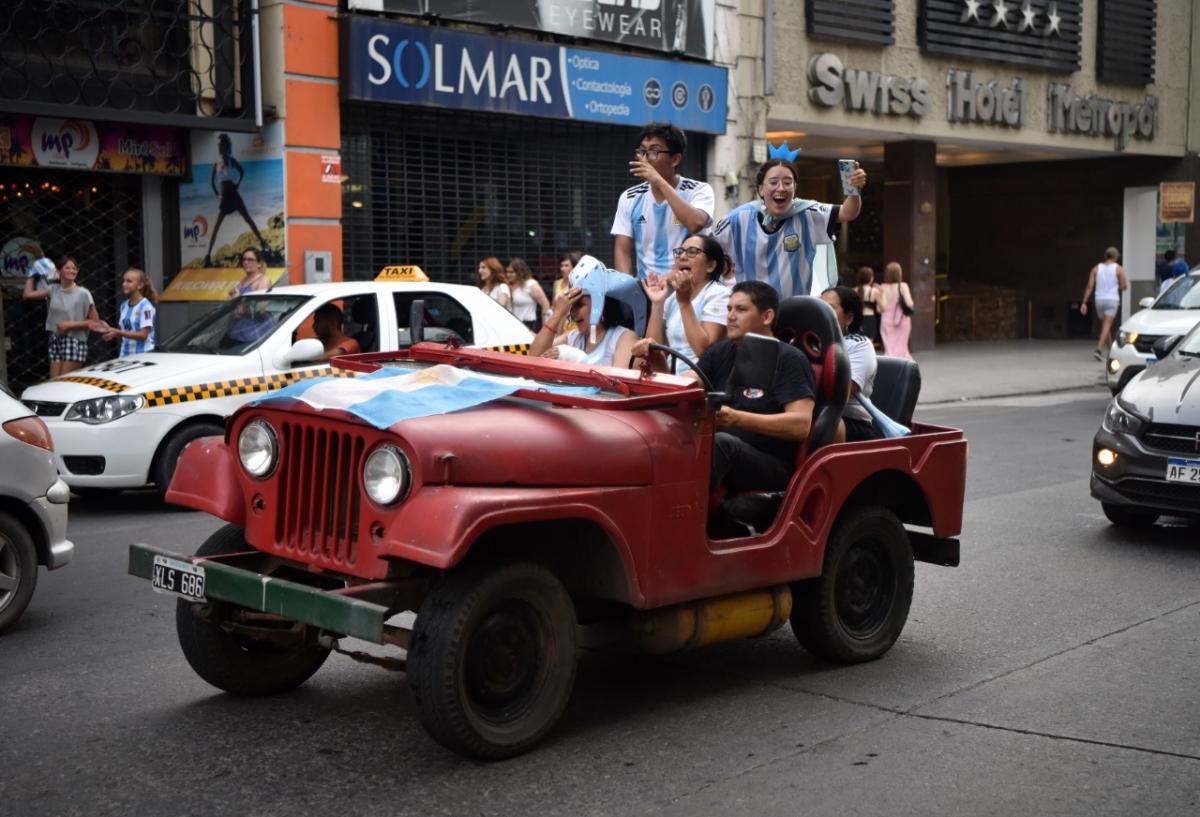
386	475
258	448
1119	420
1127	338
105	409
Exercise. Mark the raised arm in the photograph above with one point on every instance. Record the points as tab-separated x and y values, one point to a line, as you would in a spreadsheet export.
31	294
852	205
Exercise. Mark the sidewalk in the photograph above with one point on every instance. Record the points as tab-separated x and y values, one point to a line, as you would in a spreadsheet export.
972	371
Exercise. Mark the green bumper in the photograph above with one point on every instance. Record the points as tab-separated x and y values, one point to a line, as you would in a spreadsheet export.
323	609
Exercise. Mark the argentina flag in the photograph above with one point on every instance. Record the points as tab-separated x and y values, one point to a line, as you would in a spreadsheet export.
388	396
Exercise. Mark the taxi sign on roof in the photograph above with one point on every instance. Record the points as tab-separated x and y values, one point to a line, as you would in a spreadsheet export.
402	272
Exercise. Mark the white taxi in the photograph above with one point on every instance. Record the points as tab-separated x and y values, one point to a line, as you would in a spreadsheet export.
1173	312
123	423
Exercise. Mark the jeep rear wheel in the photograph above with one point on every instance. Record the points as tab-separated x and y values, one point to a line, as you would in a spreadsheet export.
237	650
854	611
492	659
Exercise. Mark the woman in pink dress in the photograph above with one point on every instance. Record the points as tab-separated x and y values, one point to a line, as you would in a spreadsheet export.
894	325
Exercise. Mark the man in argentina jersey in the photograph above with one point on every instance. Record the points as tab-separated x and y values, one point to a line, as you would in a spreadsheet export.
655	216
774	239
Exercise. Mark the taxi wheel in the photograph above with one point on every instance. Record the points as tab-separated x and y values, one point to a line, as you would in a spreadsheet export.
492	660
18	570
234	662
854	611
168	455
1124	517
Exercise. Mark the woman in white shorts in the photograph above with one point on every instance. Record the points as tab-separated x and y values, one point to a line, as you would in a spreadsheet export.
1107	279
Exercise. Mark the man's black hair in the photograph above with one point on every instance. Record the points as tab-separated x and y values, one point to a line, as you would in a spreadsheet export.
673	136
852	305
332	310
1169	255
761	294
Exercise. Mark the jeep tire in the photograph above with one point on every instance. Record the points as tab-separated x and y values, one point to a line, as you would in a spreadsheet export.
854	611
492	659
236	663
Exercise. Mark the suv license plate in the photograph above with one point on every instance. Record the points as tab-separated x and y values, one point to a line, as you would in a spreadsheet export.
1183	471
181	578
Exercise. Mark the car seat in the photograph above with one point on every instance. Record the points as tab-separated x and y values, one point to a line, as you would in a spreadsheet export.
897	387
363	325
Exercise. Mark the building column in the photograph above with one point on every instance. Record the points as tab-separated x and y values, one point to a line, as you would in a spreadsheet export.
738	45
910	227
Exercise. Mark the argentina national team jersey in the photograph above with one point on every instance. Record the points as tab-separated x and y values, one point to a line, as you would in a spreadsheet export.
783	258
133	319
654	228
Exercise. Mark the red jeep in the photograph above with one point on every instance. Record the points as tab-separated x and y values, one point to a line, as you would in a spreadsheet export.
508	526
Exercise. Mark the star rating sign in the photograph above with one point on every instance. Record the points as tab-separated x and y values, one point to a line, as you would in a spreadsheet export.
1028	21
970	11
1000	17
1052	14
1028	18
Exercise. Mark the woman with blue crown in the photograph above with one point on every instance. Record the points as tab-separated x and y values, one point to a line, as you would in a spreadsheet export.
774	238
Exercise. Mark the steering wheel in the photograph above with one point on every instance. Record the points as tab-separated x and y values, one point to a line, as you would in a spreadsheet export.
714	396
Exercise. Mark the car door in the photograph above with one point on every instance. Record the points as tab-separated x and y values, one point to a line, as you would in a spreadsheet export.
444	317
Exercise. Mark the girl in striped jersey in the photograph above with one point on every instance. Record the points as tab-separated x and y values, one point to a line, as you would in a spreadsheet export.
136	325
774	238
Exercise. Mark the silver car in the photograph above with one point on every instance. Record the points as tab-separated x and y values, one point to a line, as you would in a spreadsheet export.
33	507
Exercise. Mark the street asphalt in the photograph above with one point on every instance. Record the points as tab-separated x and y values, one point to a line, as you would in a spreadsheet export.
1053	673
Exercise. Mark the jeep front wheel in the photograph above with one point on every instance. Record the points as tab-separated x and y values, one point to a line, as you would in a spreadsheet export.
492	659
854	611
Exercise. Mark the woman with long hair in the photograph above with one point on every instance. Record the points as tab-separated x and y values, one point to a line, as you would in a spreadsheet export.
527	295
135	326
491	281
687	308
254	274
609	345
868	291
895	311
70	312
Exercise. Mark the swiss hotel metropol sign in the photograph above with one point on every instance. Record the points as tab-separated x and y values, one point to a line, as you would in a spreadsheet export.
1043	33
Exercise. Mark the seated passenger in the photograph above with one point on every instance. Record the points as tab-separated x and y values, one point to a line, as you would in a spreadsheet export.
329	328
759	431
609	345
856	422
687	308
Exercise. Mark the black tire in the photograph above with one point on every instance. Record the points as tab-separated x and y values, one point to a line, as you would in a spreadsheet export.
168	456
1124	517
492	659
18	570
854	611
239	665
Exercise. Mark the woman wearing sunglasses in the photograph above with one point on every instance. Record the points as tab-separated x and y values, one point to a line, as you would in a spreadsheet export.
688	307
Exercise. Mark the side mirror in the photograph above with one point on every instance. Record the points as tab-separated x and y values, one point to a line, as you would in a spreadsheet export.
302	351
416	321
755	361
1147	302
1163	346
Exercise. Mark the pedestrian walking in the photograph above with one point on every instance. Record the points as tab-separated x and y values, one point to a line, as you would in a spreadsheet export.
869	292
1107	280
70	311
527	294
135	324
654	217
895	311
491	281
774	238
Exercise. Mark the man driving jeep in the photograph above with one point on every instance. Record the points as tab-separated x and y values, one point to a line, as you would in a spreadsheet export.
759	431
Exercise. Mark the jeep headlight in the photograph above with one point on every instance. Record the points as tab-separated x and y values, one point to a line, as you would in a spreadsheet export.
258	448
105	409
1119	420
385	475
1127	338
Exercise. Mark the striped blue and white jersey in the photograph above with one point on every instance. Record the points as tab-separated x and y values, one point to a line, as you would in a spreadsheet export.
711	305
133	319
654	228
784	258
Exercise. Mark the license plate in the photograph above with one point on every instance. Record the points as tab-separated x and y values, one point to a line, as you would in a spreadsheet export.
1179	470
180	578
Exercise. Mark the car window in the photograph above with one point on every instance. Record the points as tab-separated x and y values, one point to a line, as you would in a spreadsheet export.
360	320
1183	294
236	327
444	318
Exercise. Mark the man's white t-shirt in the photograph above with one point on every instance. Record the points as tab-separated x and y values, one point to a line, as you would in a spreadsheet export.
654	227
860	352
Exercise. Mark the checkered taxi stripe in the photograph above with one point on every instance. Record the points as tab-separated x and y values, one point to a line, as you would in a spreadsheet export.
512	348
98	382
238	386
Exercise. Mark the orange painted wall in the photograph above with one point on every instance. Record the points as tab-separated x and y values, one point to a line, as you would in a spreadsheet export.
303	237
314	119
310	44
307	195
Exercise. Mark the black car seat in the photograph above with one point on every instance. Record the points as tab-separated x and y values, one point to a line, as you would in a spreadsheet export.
364	317
810	325
897	387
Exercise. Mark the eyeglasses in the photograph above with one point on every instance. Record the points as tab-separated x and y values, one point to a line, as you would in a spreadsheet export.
650	153
785	184
690	252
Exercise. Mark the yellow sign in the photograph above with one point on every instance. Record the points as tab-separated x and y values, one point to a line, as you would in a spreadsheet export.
404	272
213	284
1177	202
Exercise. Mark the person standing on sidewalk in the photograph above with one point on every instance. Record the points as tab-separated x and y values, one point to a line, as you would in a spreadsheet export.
895	311
135	324
1107	279
70	312
654	217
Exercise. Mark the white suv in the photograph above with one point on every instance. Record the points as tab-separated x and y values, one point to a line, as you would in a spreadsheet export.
1174	312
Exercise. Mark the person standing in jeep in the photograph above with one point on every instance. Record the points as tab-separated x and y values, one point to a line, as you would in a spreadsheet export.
654	217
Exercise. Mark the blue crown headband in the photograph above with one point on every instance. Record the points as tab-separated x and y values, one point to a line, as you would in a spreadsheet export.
782	152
